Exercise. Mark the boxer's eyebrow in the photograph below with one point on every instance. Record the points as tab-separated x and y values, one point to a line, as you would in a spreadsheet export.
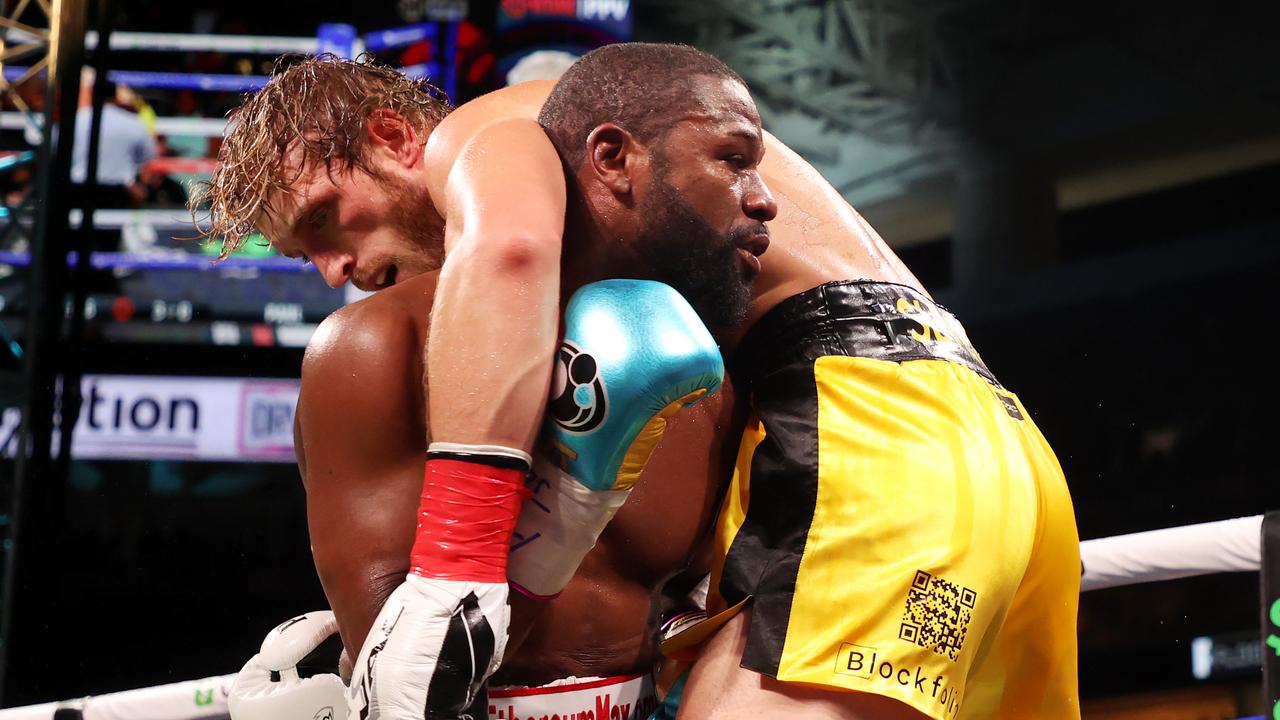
307	211
751	136
304	212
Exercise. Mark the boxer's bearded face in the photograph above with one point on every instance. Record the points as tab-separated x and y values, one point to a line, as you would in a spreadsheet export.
703	212
685	252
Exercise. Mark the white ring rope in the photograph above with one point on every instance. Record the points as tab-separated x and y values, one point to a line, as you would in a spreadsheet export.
118	218
1212	547
190	42
1202	549
257	44
192	700
186	126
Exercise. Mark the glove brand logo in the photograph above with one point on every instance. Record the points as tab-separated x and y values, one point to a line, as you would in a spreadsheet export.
324	713
289	623
578	403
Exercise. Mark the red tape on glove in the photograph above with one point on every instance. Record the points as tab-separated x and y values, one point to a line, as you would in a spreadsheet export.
465	519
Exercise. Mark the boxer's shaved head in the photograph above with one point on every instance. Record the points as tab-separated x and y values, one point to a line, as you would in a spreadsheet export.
313	112
692	210
641	87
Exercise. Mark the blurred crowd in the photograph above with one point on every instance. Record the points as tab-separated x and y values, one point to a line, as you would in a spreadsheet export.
135	168
162	167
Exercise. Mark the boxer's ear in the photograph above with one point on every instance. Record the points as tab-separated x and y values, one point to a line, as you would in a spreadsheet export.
391	133
614	155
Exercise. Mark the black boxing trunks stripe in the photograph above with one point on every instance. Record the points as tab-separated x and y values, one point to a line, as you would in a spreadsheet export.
855	318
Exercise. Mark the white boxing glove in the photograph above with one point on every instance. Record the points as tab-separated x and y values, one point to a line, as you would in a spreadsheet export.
269	686
430	651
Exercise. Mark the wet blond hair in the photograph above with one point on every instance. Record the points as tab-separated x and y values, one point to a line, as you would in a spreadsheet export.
321	103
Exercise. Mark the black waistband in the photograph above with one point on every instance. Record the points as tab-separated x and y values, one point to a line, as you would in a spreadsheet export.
855	318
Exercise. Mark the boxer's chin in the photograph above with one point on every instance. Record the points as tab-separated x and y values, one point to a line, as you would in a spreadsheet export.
726	306
715	285
422	237
717	288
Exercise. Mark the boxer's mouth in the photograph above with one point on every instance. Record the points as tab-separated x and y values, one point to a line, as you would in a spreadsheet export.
750	248
388	278
756	243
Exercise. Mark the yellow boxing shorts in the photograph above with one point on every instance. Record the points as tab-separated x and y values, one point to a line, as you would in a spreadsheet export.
896	522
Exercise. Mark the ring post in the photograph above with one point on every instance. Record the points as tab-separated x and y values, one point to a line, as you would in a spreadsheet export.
1269	582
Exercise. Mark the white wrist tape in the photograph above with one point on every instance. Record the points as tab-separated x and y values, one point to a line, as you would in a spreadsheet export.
558	526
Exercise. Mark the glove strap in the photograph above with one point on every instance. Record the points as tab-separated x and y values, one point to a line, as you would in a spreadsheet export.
466	515
495	455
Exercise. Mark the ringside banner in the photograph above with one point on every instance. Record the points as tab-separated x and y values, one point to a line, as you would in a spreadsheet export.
142	417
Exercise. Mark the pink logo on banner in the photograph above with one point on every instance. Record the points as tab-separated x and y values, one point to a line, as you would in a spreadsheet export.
265	429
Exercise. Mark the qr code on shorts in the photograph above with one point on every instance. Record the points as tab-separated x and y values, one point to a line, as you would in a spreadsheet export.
937	614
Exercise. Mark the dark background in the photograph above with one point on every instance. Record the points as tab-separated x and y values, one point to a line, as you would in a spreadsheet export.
1143	352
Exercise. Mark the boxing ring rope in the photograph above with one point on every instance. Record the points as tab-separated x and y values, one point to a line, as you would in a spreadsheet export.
116	218
191	700
191	126
143	79
195	42
1171	553
176	261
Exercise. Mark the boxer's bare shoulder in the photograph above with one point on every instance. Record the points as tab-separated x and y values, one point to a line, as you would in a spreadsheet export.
360	443
517	101
508	113
359	340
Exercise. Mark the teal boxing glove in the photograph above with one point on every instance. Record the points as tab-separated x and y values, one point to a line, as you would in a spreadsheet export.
634	354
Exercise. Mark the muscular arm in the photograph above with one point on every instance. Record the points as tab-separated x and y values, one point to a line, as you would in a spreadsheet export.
360	441
361	431
500	186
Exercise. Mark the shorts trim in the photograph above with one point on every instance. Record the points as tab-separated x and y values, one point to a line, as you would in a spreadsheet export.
764	558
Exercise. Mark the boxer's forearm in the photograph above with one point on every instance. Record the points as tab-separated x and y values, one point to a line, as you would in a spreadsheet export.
496	314
356	600
493	335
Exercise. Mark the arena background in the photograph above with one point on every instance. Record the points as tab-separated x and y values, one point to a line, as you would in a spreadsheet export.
1091	187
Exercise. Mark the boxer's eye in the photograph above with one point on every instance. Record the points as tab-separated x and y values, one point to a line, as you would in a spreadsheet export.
319	217
738	161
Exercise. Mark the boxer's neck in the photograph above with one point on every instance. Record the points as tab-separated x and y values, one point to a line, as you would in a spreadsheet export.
589	251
